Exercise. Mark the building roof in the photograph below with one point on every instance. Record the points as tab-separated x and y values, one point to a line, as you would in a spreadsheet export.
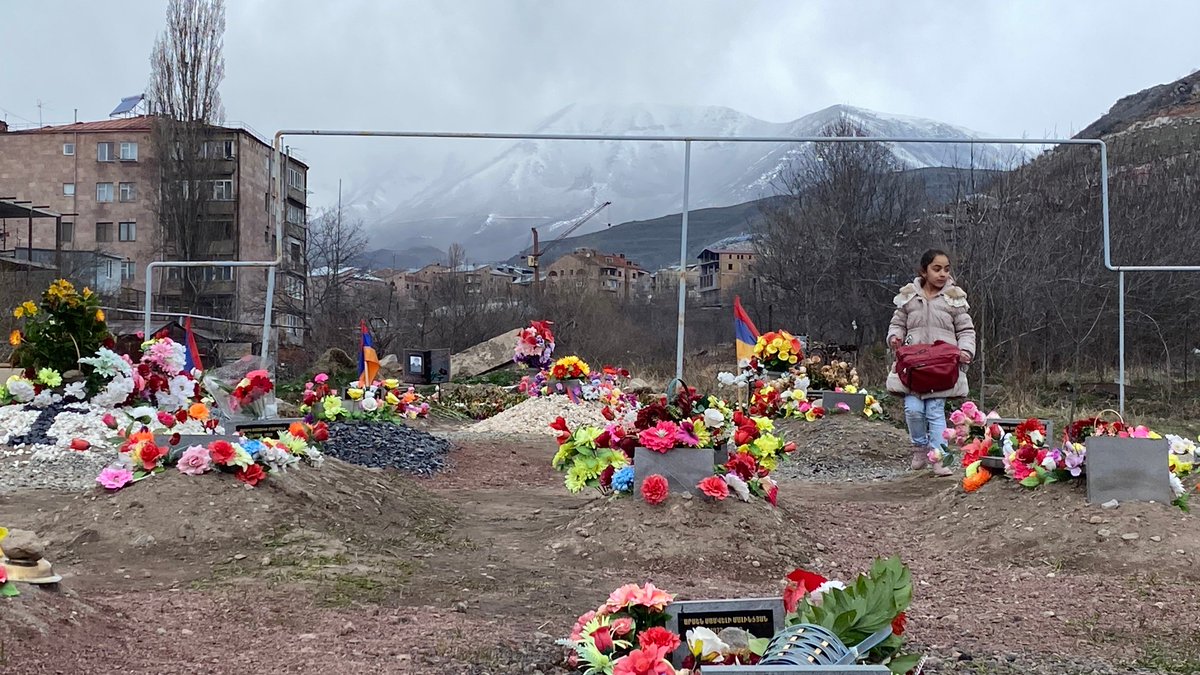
136	123
738	243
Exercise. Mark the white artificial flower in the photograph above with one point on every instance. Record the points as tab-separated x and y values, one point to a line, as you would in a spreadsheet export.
115	392
276	459
713	419
739	486
369	403
20	389
819	592
108	363
704	642
1176	485
45	398
76	390
1037	437
1048	463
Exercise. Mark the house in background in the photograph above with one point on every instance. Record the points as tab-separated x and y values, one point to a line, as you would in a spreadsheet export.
723	265
588	268
107	173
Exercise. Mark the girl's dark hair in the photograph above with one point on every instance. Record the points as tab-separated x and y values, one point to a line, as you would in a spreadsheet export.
928	257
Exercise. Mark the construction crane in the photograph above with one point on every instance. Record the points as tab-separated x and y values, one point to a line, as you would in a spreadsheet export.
533	258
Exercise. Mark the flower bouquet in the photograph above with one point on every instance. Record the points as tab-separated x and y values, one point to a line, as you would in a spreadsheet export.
778	351
875	602
66	325
833	376
535	345
242	390
626	635
977	438
587	456
569	368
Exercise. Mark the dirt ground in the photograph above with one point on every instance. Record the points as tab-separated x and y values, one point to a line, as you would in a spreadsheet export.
477	570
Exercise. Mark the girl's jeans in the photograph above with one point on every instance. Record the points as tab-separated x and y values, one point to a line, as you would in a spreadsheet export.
926	420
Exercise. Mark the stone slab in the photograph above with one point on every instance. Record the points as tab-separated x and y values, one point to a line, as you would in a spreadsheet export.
485	356
797	670
761	617
1128	470
831	399
263	428
682	467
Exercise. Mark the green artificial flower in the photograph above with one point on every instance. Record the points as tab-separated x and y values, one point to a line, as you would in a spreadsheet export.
49	377
331	407
560	457
576	480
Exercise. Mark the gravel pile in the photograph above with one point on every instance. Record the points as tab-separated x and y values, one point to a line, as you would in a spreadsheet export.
37	454
384	445
841	448
535	415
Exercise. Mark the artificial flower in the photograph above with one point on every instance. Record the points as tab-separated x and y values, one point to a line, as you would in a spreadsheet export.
622	480
655	489
222	452
622	625
644	662
705	646
899	623
658	636
738	486
974	482
661	437
114	478
195	461
251	475
14	338
715	487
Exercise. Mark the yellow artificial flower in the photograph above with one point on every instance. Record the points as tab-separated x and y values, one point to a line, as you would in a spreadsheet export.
100	315
14	338
851	389
87	292
392	399
764	424
355	394
19	312
777	343
391	383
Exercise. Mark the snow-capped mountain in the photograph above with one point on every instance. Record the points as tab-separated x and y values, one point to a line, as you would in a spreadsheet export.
490	205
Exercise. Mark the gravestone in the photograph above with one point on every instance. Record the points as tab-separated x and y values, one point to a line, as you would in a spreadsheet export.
856	402
485	356
761	617
265	428
1010	424
682	467
1128	470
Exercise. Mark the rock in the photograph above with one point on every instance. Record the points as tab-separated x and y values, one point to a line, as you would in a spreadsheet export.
70	376
239	556
639	386
1104	532
1095	520
22	545
333	361
386	445
484	357
1156	538
346	629
389	366
1129	536
143	540
460	606
737	638
1110	504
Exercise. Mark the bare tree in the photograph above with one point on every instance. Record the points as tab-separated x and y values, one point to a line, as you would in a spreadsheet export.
337	295
187	67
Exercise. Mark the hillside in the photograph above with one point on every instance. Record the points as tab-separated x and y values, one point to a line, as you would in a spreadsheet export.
1180	98
654	243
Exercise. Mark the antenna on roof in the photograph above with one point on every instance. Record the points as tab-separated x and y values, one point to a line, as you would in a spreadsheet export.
128	106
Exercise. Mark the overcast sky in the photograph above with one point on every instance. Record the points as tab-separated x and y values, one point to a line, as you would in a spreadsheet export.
1002	67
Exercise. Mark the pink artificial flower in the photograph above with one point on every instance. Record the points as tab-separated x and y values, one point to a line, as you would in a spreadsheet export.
949	434
660	437
622	626
650	661
621	598
321	378
958	417
654	598
577	631
686	435
844	407
195	461
969	409
114	478
110	421
166	419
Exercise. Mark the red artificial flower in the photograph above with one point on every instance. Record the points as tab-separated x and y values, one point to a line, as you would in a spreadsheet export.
655	489
150	454
604	440
899	624
773	495
251	475
181	415
809	581
80	444
174	439
743	464
1027	453
603	638
789	447
320	432
110	421
299	430
715	487
792	595
1024	429
608	413
560	425
644	662
221	452
606	476
658	637
166	419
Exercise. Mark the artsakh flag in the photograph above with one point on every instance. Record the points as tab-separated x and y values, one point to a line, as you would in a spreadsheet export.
191	353
744	332
368	360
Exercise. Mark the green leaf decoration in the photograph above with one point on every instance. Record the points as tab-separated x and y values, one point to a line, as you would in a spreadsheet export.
9	590
1031	480
903	663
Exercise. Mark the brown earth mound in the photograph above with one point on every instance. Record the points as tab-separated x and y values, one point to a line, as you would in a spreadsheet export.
694	536
1054	526
172	528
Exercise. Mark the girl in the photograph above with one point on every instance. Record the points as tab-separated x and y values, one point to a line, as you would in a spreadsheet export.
929	309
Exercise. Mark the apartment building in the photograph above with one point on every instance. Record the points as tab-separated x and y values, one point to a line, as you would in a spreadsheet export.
107	174
600	271
723	265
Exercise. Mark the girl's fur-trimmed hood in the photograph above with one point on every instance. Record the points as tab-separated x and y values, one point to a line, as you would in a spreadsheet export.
955	296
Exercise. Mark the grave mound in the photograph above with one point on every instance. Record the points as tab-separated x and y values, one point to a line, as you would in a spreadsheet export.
1055	526
172	527
688	537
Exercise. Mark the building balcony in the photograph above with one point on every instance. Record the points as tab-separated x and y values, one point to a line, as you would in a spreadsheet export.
709	283
222	207
220	167
216	287
295	231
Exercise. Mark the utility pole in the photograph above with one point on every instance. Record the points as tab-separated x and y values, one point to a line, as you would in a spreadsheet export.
533	263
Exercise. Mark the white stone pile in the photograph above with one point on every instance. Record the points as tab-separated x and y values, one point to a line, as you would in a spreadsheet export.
535	415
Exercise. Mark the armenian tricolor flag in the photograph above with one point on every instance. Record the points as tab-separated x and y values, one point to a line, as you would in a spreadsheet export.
368	360
191	353
744	333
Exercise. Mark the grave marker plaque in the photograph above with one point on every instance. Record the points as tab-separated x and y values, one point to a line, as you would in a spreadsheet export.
761	617
1010	424
797	670
265	428
1128	470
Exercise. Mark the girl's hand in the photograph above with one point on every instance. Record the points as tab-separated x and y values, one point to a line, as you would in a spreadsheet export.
964	358
894	342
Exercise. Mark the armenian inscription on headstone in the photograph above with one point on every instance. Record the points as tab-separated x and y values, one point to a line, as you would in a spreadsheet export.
761	617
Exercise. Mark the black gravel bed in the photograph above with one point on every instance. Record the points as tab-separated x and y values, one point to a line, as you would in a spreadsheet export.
387	445
38	431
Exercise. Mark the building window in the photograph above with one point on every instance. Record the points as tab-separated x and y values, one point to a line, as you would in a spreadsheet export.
297	253
295	179
66	232
295	214
127	232
104	192
217	150
108	269
730	267
128	192
68	189
221	230
128	270
218	274
68	149
128	152
222	190
103	232
104	152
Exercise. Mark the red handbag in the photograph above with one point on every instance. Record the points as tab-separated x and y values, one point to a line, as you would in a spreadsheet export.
924	369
